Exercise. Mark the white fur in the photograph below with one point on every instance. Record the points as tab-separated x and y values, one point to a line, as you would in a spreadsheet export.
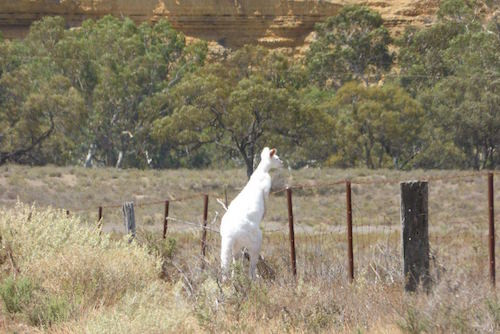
240	224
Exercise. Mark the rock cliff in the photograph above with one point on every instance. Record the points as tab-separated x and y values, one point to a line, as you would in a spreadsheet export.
231	23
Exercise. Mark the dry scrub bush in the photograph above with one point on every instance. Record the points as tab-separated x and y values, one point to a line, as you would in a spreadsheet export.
159	308
70	263
457	303
461	300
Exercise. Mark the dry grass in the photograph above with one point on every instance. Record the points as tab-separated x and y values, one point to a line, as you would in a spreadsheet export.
452	203
85	282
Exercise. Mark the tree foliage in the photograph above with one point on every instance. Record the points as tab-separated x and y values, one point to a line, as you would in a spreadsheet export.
453	68
239	105
37	103
119	94
379	126
120	66
352	45
423	56
110	67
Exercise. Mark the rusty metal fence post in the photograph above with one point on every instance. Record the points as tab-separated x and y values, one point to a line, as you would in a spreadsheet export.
165	219
349	231
291	231
491	216
204	232
99	219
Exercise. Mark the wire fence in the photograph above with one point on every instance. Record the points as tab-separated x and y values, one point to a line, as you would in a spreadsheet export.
458	225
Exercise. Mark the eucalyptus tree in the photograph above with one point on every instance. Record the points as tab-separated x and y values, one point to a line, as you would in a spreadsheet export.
117	65
377	126
453	68
38	105
353	45
242	104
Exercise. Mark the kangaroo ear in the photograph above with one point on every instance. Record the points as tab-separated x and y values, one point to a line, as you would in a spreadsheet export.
273	151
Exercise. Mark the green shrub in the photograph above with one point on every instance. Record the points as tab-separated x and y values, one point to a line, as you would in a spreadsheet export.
55	174
49	310
493	307
68	266
414	321
16	294
158	246
169	247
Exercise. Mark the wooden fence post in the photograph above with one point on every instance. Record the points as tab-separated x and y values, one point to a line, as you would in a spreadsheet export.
291	231
415	234
129	219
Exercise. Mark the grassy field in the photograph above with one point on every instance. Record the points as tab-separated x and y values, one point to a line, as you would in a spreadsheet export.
458	203
59	275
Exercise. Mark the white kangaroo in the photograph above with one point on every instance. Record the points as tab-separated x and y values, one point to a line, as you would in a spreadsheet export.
240	224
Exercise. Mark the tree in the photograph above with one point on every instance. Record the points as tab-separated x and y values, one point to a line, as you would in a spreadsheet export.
467	103
38	106
33	117
352	45
239	105
453	68
422	52
380	126
111	67
117	66
316	141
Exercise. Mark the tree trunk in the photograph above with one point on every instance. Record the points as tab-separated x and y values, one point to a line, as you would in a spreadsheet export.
248	158
120	159
16	154
492	158
88	160
149	160
90	156
368	157
249	163
396	163
476	158
487	152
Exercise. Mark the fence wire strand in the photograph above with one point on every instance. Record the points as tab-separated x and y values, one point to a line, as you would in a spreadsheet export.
457	226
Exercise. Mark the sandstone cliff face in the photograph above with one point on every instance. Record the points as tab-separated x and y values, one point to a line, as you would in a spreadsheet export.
231	23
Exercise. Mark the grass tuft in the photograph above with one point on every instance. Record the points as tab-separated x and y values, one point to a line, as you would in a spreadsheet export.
16	294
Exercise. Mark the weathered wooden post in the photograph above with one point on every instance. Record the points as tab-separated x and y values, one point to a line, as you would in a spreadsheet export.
129	219
415	234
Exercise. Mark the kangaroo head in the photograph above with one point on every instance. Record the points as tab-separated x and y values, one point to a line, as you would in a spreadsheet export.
270	156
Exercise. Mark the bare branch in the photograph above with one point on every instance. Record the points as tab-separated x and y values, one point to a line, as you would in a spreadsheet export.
5	156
